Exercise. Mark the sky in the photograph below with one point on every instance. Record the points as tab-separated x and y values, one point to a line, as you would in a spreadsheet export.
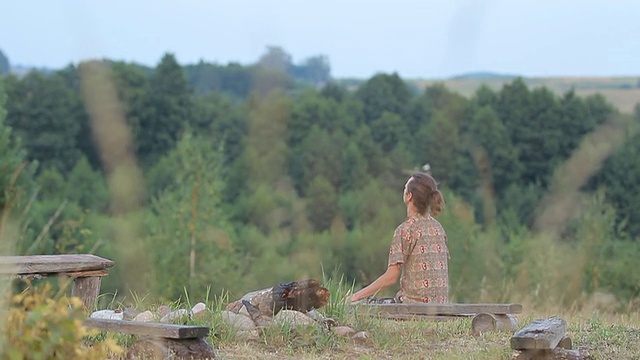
431	39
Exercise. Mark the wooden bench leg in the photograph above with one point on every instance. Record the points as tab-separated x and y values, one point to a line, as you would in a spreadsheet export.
87	289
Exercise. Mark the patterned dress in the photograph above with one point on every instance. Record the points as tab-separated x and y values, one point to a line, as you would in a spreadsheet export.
420	246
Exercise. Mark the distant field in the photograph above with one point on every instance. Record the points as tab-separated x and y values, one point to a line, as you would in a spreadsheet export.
622	92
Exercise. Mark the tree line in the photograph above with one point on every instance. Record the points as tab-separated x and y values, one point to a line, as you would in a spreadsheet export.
253	175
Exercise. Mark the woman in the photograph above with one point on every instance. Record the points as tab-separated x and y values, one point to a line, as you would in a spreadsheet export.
419	248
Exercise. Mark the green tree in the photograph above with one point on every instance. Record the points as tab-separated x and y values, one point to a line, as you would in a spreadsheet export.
354	168
12	162
382	93
43	111
132	86
618	176
169	110
226	122
487	132
86	187
319	154
322	203
190	241
388	131
5	66
435	99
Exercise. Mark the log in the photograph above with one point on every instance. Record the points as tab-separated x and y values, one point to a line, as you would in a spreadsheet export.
485	322
540	334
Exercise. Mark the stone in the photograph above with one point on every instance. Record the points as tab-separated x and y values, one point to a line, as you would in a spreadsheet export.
175	316
163	310
360	337
237	322
145	316
108	314
315	315
249	334
130	313
292	318
343	331
199	310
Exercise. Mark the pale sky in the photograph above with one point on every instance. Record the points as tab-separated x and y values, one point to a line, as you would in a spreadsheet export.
416	38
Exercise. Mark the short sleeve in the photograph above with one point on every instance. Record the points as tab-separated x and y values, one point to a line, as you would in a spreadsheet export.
400	245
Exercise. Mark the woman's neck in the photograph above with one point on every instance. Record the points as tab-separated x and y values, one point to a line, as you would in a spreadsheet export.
412	210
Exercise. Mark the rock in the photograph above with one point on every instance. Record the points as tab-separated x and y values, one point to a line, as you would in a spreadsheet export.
130	313
360	337
293	318
199	310
145	316
163	310
329	323
315	315
237	322
108	314
243	311
235	306
175	316
248	334
343	331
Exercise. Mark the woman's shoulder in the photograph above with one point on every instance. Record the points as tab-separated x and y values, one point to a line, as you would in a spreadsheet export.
433	223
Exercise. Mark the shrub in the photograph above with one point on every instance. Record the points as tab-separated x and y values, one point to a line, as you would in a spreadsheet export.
40	327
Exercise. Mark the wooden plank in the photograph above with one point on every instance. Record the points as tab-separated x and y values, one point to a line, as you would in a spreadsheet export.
52	264
420	317
442	309
152	329
540	334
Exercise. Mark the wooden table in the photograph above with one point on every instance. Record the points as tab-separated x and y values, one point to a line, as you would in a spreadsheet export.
86	270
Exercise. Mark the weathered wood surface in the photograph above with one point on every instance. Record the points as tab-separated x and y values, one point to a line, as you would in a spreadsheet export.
540	334
53	264
553	354
442	309
384	315
87	289
150	329
171	349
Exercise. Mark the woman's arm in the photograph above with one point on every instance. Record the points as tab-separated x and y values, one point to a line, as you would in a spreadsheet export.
385	280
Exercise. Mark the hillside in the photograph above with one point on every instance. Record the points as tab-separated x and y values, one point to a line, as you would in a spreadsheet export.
623	92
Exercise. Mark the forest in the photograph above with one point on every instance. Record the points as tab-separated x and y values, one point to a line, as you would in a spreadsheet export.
207	179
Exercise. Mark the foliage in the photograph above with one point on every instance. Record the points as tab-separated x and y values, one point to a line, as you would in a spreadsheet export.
38	326
5	66
253	178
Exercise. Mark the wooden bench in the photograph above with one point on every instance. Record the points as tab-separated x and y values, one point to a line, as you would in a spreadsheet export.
544	339
86	270
486	316
160	340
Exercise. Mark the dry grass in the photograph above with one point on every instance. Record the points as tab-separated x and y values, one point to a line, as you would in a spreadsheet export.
622	92
602	336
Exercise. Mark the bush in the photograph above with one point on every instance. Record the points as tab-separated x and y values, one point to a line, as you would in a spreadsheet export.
39	327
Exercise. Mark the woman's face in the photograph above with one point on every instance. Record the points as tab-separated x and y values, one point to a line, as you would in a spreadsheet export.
406	195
